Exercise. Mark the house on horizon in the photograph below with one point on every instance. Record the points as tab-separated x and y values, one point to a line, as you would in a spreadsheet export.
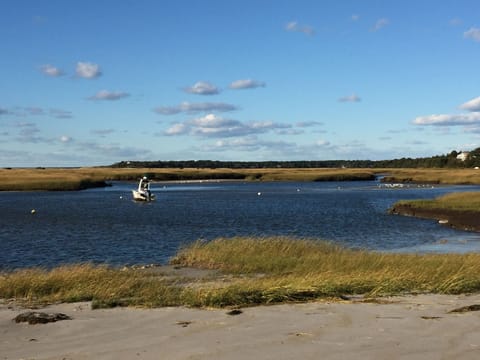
463	155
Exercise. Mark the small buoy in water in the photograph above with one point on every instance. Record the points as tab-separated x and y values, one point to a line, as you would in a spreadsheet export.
259	193
33	211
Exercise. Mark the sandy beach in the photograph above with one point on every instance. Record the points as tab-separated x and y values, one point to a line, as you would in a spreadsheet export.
408	327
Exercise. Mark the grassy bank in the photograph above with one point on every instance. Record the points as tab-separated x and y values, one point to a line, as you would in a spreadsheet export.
458	210
434	176
81	178
251	271
465	201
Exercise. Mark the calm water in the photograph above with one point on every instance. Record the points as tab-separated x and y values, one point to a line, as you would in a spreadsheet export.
106	226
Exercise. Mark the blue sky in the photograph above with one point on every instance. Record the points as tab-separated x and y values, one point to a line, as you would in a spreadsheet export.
96	82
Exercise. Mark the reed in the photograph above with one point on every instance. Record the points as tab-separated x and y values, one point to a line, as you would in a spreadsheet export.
465	201
252	271
434	176
80	178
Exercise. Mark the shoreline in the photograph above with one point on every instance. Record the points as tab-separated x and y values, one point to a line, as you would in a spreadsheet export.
457	219
413	327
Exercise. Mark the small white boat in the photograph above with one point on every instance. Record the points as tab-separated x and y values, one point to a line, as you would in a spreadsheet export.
143	192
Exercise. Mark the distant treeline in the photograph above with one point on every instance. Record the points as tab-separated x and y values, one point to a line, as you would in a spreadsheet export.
441	161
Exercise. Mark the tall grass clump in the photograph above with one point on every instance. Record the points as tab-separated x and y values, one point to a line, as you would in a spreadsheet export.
292	269
103	285
251	271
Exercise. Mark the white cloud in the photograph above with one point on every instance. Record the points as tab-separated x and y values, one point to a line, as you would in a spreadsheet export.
469	120
355	17
381	23
448	119
350	98
88	70
294	26
213	121
192	108
473	33
65	139
471	105
109	95
212	125
177	129
246	84
202	88
249	143
51	70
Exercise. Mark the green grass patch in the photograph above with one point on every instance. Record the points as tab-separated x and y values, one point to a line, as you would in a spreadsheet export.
251	271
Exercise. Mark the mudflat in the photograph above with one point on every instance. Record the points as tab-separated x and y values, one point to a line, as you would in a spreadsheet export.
458	219
405	327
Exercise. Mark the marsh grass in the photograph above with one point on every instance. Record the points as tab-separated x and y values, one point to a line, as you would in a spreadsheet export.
252	271
51	179
465	201
81	178
434	176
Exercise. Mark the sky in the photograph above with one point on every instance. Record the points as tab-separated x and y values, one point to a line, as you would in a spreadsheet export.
85	83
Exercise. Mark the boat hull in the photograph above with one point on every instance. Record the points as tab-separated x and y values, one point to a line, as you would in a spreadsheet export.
142	196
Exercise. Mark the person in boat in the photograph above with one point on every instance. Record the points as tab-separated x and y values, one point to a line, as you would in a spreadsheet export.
146	186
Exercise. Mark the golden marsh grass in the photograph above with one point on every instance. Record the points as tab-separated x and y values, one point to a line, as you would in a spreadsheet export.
464	201
251	271
79	178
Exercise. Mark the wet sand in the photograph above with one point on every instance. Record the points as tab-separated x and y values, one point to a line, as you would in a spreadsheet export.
408	327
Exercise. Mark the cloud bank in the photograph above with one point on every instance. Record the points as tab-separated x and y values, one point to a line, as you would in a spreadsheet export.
212	125
466	119
191	108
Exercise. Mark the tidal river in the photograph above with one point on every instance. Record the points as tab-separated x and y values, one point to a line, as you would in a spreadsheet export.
107	226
